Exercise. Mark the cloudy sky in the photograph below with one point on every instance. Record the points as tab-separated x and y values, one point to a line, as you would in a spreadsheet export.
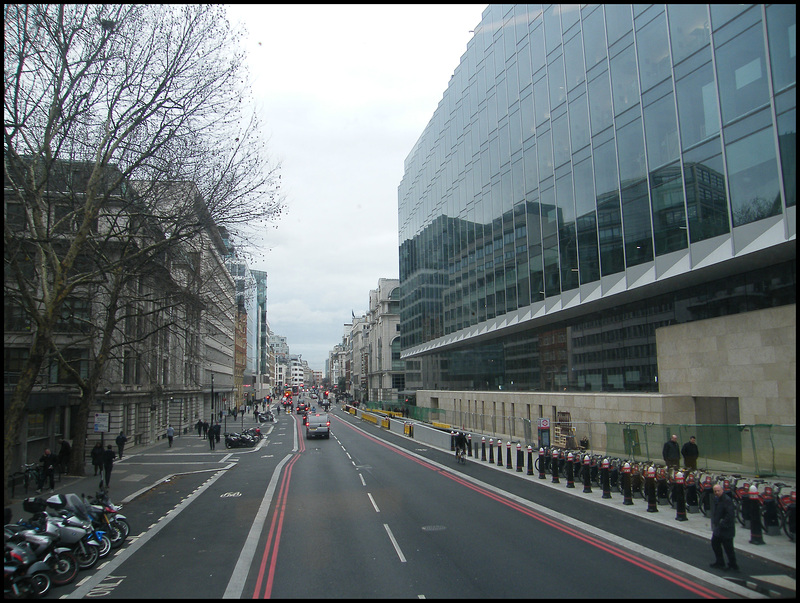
344	92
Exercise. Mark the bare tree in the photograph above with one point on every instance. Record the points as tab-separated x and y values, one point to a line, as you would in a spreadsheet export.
96	97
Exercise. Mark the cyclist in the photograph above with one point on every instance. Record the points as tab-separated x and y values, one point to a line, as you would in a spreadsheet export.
461	444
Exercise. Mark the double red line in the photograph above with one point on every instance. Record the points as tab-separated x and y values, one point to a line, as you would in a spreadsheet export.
275	529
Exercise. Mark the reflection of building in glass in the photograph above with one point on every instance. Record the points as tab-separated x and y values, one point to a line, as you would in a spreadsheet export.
588	177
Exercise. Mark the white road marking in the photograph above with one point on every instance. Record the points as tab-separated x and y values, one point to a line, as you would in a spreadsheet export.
372	500
394	543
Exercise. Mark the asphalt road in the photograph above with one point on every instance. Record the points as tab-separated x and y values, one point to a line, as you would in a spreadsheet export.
371	514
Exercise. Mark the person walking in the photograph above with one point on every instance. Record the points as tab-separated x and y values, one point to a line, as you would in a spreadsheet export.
671	452
63	456
199	427
690	452
170	434
108	465
211	438
48	461
121	439
217	429
205	429
723	527
97	458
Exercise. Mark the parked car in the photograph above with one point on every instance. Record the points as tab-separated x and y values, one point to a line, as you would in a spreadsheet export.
301	408
318	425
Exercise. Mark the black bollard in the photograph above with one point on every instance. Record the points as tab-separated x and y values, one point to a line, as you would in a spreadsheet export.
587	474
483	448
627	495
542	474
680	498
756	536
469	444
499	453
530	460
554	465
691	494
520	459
491	450
650	490
605	481
508	456
570	472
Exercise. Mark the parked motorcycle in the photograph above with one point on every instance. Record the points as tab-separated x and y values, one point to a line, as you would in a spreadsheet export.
72	504
24	575
238	440
117	524
254	432
72	532
46	548
266	417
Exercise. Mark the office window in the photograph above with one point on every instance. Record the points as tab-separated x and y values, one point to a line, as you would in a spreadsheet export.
698	112
742	74
579	123
782	33
753	178
600	110
609	215
706	196
624	86
653	52
618	21
689	29
669	217
634	193
787	137
661	131
594	38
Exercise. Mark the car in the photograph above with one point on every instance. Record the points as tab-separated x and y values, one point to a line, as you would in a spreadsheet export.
318	424
301	408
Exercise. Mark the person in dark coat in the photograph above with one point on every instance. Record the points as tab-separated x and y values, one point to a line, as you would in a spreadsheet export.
217	429
121	439
723	527
690	452
199	426
205	429
63	456
108	463
211	438
97	458
672	453
48	461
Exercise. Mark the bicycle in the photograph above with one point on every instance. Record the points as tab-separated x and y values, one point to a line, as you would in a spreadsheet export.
461	455
31	474
787	509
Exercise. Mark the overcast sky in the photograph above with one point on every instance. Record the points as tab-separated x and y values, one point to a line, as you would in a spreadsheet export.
344	92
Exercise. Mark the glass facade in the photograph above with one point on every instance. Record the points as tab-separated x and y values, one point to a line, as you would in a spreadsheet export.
581	167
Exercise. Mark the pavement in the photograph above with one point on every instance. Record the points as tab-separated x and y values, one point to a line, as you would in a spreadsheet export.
127	484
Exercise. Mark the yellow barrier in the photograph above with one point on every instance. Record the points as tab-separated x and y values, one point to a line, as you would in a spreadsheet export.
370	418
442	425
385	423
408	429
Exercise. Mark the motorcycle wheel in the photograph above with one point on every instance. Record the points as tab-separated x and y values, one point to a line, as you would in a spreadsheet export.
87	556
115	535
105	546
40	583
228	444
123	525
65	570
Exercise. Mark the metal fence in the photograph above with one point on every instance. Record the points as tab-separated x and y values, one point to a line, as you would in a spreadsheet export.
766	450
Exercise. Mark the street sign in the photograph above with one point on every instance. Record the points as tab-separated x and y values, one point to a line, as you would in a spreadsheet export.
101	421
543	423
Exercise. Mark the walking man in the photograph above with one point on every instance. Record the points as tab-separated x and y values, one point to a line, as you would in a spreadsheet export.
63	456
48	461
121	439
671	453
211	438
690	452
108	464
170	434
723	526
205	429
199	427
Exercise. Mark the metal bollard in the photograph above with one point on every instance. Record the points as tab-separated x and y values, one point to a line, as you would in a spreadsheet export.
520	459
680	499
499	453
530	460
491	450
554	465
469	444
508	456
771	525
692	500
650	490
570	471
542	474
756	536
605	480
587	474
483	448
662	489
627	495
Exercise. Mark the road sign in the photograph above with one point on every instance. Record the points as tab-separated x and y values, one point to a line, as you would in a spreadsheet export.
543	423
101	421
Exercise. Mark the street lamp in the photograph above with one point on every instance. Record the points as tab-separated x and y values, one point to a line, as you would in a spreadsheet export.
102	411
212	399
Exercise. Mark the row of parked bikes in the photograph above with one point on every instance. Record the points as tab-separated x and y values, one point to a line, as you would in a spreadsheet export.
777	501
65	533
244	439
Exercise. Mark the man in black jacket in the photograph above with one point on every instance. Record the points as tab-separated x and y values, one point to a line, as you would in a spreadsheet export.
723	526
690	452
672	453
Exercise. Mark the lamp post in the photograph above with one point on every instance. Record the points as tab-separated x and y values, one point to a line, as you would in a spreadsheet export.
212	399
102	412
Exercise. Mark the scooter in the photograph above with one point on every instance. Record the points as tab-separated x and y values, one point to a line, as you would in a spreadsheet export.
23	575
238	440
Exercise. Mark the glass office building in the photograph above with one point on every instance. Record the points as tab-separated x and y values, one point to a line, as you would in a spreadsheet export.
593	173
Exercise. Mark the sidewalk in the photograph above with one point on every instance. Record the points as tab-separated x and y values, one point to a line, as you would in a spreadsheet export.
125	485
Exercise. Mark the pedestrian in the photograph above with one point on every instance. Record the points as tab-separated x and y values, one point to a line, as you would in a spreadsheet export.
205	429
690	452
97	458
671	452
170	434
199	427
121	439
108	465
63	456
48	461
211	438
217	429
723	527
